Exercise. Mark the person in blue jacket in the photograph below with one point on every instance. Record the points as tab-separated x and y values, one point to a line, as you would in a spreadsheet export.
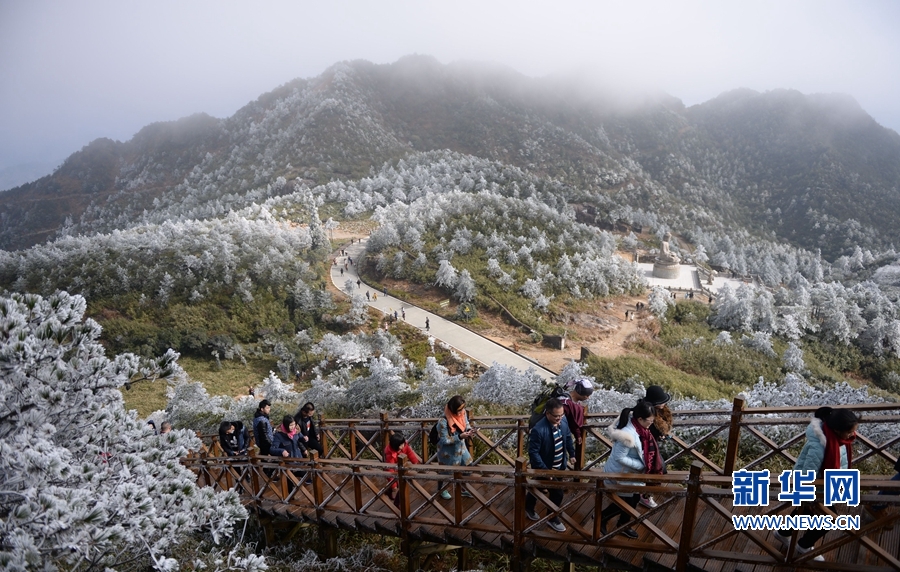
550	445
829	445
635	450
286	442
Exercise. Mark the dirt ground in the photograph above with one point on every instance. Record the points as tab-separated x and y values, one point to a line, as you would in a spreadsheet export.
603	331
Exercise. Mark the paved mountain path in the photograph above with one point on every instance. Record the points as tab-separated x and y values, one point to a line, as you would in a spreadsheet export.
464	341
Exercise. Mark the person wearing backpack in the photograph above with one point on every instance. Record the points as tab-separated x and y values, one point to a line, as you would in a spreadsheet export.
581	390
453	430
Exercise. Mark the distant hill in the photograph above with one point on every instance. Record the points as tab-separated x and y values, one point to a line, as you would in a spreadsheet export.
814	170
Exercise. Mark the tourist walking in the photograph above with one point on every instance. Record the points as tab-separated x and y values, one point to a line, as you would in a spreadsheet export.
453	431
578	391
829	445
306	424
662	426
634	451
262	427
549	446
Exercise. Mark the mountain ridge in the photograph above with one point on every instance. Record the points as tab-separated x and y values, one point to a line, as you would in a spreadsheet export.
776	162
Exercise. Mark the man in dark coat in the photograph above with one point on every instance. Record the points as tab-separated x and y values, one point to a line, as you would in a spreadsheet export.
262	427
305	419
549	446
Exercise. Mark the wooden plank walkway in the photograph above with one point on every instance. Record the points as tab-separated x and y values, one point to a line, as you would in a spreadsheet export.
354	496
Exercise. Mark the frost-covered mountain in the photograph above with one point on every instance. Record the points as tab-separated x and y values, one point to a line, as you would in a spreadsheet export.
814	170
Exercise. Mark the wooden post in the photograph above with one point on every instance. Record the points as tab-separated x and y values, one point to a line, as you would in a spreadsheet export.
318	487
518	563
690	517
284	480
520	437
598	509
352	432
734	436
203	480
462	558
412	560
323	438
254	476
327	535
357	489
385	431
579	452
426	454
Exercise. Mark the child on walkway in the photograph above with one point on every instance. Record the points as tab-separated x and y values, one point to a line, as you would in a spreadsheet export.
398	445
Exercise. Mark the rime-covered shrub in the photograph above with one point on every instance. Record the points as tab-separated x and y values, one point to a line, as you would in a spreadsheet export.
189	406
274	389
436	388
761	342
723	339
793	359
507	386
85	484
382	389
659	301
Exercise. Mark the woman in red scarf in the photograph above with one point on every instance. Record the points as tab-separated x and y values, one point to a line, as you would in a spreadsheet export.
453	431
829	445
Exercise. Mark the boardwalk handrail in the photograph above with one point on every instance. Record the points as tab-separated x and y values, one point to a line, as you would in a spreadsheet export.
722	440
355	494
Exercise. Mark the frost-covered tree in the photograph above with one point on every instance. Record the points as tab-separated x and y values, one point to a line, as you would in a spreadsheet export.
793	359
446	275
659	301
465	287
723	339
381	389
274	389
358	314
506	385
700	256
436	388
84	485
759	341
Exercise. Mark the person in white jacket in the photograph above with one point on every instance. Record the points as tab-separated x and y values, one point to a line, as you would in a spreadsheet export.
634	451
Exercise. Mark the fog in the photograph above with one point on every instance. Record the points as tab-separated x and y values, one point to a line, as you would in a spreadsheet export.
74	71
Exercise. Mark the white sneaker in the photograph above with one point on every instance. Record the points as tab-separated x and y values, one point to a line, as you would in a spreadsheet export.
556	525
786	542
648	502
800	550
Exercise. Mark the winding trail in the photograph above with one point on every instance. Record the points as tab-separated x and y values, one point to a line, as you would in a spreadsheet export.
464	341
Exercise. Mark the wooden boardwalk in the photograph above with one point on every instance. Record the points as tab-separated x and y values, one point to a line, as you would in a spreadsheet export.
690	530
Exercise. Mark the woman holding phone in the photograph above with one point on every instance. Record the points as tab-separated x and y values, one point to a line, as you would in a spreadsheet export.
453	431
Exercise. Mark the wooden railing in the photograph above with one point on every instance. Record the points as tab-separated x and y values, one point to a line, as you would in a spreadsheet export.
352	494
721	440
349	488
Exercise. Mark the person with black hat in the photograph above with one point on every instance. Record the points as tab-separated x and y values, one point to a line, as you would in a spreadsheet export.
262	427
579	391
662	425
657	396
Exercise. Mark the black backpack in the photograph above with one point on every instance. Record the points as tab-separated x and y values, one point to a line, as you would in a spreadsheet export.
433	436
540	403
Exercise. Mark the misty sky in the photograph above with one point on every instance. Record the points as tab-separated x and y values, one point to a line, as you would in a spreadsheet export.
74	71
